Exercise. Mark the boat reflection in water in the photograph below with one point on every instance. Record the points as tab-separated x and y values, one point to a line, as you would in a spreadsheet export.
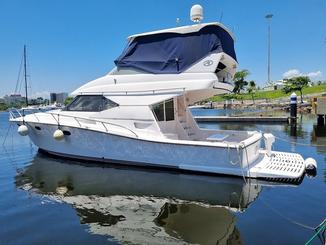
144	206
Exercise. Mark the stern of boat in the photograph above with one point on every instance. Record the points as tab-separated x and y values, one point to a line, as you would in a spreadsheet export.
263	163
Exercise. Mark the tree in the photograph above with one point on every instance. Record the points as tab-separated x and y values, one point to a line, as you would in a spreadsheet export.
3	106
68	100
252	90
239	81
296	84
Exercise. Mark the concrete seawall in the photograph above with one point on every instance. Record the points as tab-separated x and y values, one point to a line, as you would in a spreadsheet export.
257	119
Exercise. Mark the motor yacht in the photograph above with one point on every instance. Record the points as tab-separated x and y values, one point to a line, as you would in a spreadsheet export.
138	113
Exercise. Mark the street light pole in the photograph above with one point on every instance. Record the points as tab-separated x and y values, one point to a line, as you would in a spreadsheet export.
269	18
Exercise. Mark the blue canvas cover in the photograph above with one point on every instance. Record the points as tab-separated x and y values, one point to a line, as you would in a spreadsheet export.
174	52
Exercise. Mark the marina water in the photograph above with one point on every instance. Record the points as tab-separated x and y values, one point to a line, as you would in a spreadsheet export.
46	200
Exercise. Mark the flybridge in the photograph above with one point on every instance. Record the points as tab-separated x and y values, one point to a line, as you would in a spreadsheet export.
175	50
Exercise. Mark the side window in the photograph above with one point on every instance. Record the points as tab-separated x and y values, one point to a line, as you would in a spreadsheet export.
169	110
164	111
159	111
90	103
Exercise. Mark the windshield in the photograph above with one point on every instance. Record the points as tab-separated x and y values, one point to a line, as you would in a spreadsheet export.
90	103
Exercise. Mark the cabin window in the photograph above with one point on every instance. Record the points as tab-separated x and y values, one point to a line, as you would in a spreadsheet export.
169	110
164	111
159	111
90	103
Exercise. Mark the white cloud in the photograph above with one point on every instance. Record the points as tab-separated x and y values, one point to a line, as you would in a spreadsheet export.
291	73
314	74
295	72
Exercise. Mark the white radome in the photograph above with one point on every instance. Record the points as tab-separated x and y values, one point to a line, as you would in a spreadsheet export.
196	13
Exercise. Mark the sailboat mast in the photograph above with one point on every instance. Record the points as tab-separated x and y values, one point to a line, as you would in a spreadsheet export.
25	76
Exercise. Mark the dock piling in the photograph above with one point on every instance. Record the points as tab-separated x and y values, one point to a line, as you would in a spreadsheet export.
321	120
293	108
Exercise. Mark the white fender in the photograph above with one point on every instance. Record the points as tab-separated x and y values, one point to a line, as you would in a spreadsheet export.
310	164
58	134
22	130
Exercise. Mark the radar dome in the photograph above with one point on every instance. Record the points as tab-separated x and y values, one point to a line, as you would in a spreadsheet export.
196	13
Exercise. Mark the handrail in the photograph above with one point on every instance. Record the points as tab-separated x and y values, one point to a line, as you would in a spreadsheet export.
150	91
89	119
13	110
36	117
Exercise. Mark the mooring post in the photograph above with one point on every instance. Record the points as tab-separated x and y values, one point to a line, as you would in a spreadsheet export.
320	120
293	108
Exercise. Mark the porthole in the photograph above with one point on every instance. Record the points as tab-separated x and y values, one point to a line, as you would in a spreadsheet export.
37	127
65	132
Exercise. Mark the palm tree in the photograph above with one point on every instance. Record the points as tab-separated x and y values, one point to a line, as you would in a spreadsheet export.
251	90
239	81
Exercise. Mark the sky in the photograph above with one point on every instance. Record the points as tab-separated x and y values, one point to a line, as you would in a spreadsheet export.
72	42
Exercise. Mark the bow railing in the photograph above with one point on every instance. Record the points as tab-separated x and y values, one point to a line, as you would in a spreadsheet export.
81	122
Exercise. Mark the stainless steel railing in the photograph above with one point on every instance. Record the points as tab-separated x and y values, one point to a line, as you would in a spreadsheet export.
136	92
78	120
14	113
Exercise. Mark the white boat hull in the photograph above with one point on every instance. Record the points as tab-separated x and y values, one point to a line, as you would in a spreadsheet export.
104	147
87	144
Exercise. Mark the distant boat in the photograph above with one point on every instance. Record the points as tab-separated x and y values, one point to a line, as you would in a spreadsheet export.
37	108
33	108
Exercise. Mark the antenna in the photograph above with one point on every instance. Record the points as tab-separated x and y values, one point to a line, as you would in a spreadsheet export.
196	13
221	17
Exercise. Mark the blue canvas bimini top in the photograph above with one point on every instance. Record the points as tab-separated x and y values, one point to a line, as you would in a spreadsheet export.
164	53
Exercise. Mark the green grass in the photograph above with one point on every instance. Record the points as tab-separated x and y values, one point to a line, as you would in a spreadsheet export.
274	94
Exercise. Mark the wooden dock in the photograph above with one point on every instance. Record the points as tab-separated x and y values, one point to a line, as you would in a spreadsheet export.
257	119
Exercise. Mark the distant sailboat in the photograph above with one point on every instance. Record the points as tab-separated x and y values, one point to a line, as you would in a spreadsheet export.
19	83
25	77
31	108
27	107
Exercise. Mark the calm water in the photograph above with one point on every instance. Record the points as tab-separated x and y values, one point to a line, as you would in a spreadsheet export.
45	200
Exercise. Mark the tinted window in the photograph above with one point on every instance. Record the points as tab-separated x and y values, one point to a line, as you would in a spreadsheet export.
169	110
159	111
168	114
90	103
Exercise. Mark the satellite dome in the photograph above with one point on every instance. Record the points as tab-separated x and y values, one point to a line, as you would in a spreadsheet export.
196	13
